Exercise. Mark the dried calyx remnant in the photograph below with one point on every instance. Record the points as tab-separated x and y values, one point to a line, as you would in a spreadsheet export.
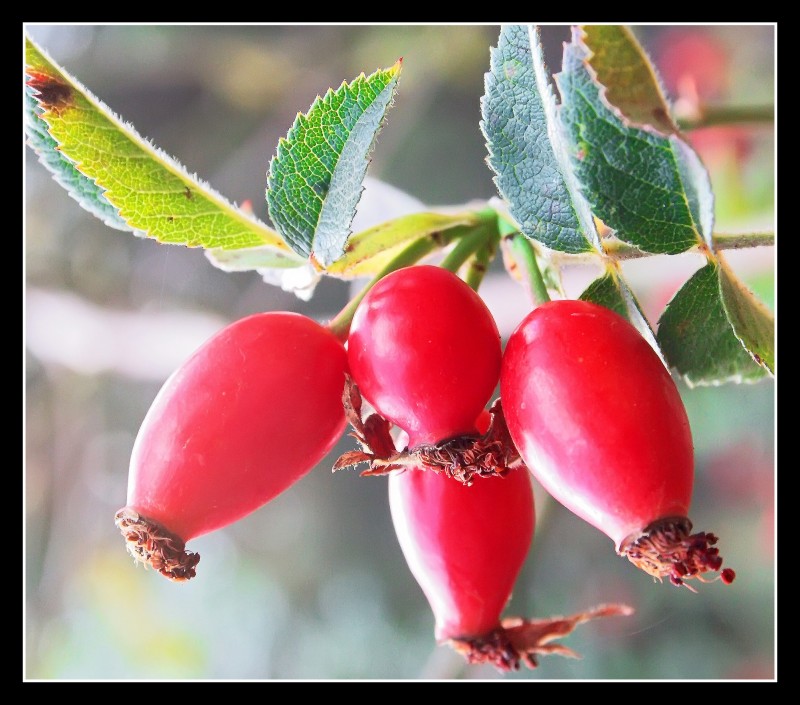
150	543
667	549
461	458
518	641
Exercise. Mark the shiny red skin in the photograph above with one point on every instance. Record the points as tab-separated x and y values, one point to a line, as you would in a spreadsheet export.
465	545
597	417
425	351
254	409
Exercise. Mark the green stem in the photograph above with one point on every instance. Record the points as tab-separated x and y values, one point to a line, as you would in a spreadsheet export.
522	251
618	250
713	115
736	241
524	255
479	264
479	239
722	241
465	248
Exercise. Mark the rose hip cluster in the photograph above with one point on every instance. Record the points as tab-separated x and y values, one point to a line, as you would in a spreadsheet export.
585	405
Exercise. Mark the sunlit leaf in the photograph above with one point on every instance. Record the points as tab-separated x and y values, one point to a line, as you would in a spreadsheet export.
119	176
316	177
83	189
369	250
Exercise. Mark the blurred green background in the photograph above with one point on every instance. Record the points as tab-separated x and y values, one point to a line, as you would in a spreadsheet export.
313	585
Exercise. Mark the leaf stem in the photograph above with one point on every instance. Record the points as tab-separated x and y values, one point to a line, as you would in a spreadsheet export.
618	250
523	252
736	241
479	264
464	249
722	241
713	115
482	239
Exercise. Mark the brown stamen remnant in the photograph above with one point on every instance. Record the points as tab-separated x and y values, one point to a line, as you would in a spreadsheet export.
461	458
150	543
518	640
667	549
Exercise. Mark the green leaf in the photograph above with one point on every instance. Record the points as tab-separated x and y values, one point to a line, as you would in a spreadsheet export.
611	291
526	149
315	178
368	251
605	291
697	335
119	176
630	79
85	191
752	322
650	188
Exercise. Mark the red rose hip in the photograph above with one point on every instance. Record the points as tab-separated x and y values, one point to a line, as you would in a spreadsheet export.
600	422
254	409
465	545
425	351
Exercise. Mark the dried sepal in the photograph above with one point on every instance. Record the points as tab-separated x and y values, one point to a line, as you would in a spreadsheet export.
373	435
518	640
461	458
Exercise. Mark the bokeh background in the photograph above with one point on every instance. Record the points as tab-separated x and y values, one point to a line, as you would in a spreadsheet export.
313	586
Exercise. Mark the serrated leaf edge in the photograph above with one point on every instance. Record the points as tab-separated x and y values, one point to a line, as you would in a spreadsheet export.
301	120
688	379
559	141
170	163
553	132
36	130
329	256
672	138
724	270
657	80
577	38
